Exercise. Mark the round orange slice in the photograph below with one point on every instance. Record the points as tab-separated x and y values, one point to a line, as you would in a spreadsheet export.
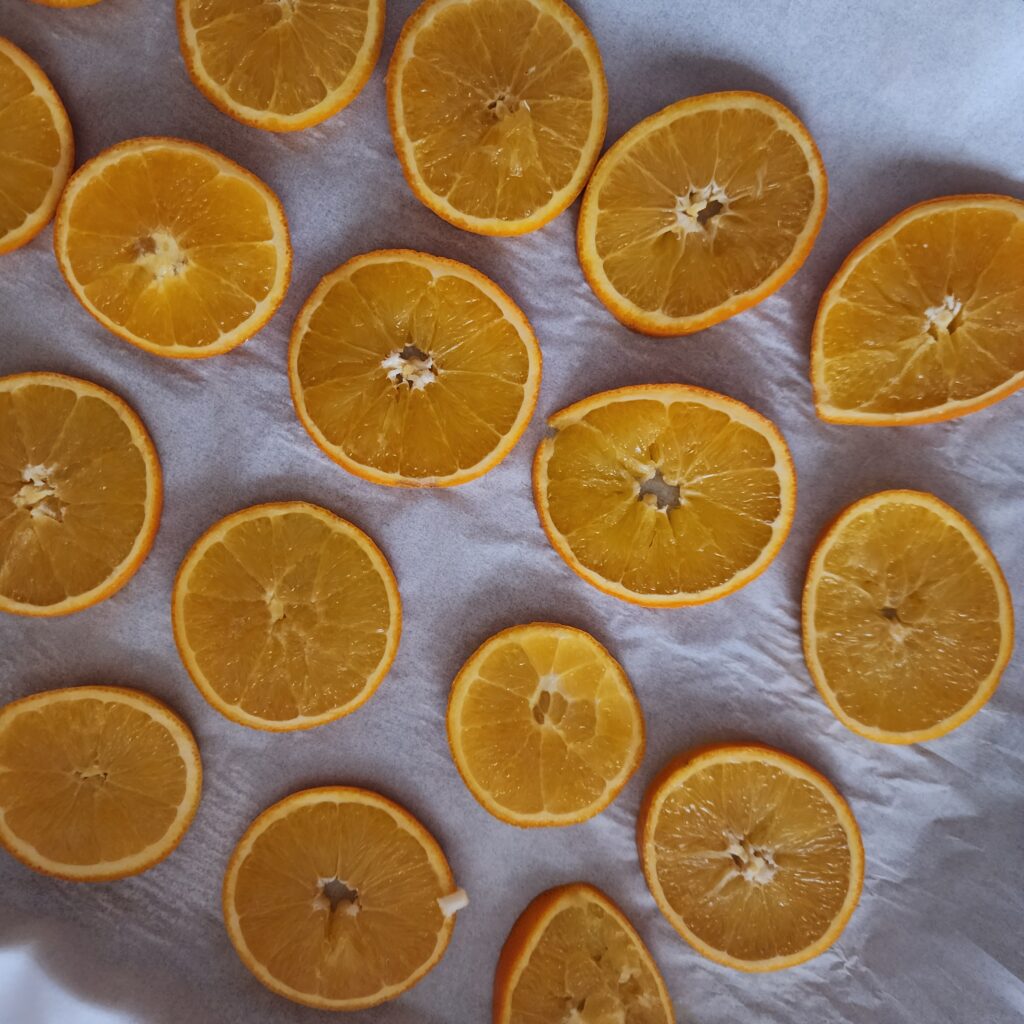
700	211
413	370
907	619
574	956
173	247
925	319
339	899
286	616
37	148
96	782
283	66
80	494
753	856
664	494
497	110
544	726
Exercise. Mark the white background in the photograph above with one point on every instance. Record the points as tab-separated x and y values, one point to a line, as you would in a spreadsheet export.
907	101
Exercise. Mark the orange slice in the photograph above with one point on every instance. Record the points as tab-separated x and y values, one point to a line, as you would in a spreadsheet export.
700	211
339	899
544	726
286	616
574	956
925	319
664	494
907	620
67	3
173	247
80	494
497	110
280	66
753	856
413	370
96	782
37	148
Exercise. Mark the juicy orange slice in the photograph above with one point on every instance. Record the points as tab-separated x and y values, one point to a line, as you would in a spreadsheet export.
925	319
700	211
339	899
37	148
280	66
286	616
544	726
908	622
497	109
753	857
173	247
80	494
410	369
664	494
574	956
96	782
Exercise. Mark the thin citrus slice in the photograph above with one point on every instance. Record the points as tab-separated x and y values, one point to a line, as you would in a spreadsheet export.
96	782
664	494
700	211
544	726
572	956
67	3
280	66
286	616
753	856
37	148
497	110
80	494
925	319
339	899
907	620
413	370
173	247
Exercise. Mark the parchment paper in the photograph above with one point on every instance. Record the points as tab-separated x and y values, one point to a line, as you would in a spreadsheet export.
907	100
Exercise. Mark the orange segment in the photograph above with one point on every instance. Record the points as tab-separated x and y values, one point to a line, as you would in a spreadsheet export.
925	319
280	66
700	211
753	856
497	110
664	494
410	369
36	147
339	899
80	494
96	782
544	726
286	616
573	956
173	247
908	622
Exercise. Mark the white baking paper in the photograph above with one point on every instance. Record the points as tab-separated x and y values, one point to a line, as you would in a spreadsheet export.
908	100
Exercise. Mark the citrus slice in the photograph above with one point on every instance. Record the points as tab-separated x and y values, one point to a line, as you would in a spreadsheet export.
96	782
67	3
753	856
544	726
700	211
80	494
413	370
173	247
339	899
573	956
280	66
497	110
907	620
664	494
37	148
286	616
925	319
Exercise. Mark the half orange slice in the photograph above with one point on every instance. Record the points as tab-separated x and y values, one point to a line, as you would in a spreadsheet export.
700	211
